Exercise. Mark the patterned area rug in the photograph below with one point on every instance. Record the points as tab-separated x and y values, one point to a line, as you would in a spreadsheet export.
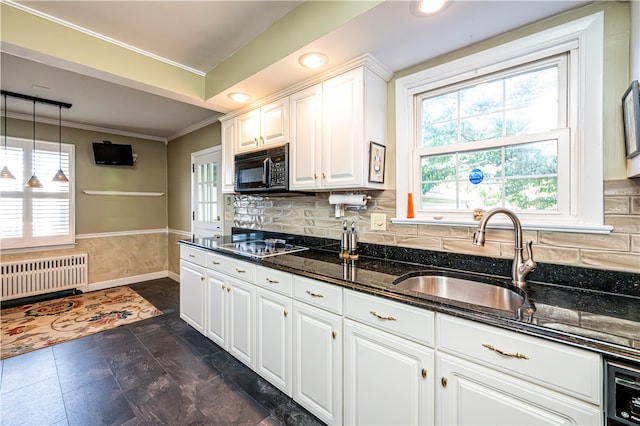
37	325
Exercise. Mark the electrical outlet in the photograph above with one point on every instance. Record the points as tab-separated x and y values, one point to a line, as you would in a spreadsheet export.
378	222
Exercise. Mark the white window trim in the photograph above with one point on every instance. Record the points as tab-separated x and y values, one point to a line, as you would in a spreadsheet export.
15	245
585	34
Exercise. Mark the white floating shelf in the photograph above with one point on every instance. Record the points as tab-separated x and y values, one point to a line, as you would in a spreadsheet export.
124	193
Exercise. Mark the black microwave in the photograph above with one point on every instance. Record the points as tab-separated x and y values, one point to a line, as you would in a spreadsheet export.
262	171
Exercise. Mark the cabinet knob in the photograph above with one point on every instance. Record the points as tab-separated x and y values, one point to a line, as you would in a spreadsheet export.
443	381
223	287
324	176
261	140
201	278
315	176
228	289
255	140
424	373
286	313
334	334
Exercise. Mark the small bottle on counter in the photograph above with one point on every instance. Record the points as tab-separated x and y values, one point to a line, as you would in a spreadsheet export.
353	242
344	243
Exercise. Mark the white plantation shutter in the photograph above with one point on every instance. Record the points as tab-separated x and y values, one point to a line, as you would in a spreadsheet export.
38	216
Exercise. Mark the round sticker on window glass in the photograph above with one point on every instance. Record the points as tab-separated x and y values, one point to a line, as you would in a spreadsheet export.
476	176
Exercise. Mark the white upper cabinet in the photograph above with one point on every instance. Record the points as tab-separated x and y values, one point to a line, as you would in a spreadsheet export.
229	128
305	150
263	127
332	125
329	122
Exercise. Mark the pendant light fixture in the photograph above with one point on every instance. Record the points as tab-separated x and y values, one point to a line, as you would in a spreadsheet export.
5	173
60	176
33	181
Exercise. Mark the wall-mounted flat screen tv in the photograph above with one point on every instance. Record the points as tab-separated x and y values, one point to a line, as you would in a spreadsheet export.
112	154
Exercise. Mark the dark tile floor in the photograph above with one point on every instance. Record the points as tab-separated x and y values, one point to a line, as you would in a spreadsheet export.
156	371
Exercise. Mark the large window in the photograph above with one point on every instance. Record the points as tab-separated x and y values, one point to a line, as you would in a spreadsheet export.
39	216
517	126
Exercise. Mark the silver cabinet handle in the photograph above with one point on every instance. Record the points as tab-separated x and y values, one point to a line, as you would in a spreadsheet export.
270	281
382	317
312	294
215	262
240	271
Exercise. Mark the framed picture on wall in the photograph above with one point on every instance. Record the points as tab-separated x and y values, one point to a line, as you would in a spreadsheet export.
377	155
631	119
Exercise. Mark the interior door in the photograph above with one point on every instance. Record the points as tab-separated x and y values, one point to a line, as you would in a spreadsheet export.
206	193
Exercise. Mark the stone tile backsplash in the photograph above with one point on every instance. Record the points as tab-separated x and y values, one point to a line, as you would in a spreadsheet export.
312	215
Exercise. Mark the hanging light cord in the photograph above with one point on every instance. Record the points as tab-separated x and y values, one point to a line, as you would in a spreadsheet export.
33	156
4	123
60	137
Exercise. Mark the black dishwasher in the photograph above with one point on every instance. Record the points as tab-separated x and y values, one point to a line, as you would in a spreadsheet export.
622	392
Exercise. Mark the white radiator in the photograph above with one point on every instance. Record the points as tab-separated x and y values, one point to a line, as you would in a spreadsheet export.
38	276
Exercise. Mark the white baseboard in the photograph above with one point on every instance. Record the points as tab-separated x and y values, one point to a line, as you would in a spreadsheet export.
174	276
101	285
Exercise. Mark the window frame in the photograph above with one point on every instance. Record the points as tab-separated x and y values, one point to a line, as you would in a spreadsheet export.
28	241
583	40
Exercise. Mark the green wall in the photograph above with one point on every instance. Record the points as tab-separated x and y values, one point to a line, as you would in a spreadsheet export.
97	214
179	172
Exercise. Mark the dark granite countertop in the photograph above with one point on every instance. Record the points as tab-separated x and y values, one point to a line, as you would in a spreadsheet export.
588	308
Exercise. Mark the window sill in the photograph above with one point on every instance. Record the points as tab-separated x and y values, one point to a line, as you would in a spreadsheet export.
557	227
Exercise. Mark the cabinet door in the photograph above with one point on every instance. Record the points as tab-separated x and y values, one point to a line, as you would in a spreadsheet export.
248	133
241	321
388	380
228	153
217	291
192	294
274	123
317	362
342	130
305	152
273	339
470	394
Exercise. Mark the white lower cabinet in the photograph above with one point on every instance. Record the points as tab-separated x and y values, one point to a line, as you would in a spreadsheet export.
400	365
471	394
317	348
388	362
192	287
274	321
488	375
317	361
388	380
241	321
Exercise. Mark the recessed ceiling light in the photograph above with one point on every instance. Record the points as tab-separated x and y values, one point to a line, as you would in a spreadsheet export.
428	7
313	60
238	97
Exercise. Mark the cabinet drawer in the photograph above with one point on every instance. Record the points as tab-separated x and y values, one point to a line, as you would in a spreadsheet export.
274	280
192	255
323	295
570	370
400	319
232	267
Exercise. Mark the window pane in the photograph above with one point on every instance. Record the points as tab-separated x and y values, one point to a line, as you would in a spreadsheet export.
481	99
519	104
10	217
50	217
534	159
532	194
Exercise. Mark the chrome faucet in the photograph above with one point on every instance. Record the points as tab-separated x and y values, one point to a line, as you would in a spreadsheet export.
520	268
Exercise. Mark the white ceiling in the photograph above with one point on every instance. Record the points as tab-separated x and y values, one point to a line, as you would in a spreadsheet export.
201	34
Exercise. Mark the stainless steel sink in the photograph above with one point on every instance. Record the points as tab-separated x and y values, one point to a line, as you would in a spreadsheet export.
463	290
